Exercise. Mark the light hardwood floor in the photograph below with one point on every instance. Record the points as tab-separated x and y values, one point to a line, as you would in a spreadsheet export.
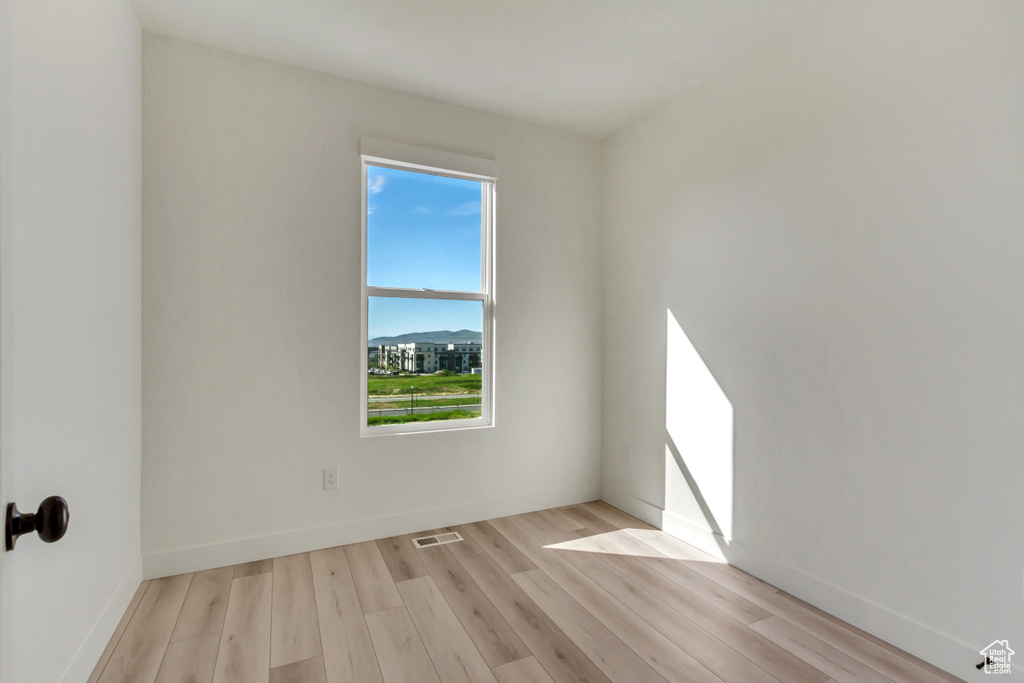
582	593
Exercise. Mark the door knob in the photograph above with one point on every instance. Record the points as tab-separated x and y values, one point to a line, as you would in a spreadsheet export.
50	521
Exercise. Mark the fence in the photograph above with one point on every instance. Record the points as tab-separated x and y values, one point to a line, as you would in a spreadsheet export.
383	412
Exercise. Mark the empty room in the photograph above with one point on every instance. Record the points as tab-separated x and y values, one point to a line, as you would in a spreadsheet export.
511	341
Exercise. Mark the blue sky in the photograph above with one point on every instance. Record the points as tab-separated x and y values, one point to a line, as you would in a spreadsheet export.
422	231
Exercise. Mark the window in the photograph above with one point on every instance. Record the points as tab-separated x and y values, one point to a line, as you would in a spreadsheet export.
427	291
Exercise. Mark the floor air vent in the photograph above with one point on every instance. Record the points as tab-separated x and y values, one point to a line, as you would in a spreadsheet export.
437	539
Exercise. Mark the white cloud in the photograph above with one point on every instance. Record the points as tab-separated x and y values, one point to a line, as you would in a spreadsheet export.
421	209
370	208
466	209
375	184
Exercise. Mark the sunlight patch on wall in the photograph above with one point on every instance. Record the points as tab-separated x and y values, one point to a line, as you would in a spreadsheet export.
699	429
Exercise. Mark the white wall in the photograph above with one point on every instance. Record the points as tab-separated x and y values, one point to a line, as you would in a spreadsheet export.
70	328
835	221
251	276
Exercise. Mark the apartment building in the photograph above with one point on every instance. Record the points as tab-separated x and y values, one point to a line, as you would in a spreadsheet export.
428	356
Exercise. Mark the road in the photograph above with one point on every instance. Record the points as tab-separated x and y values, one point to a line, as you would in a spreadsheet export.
421	397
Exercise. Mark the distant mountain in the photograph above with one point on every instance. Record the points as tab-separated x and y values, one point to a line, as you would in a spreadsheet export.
437	337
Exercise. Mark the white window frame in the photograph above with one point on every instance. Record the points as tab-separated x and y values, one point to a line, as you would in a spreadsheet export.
374	152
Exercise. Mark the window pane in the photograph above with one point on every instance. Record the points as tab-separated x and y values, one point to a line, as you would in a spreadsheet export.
425	360
422	231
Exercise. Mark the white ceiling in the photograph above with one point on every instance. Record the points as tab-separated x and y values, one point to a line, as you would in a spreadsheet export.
589	66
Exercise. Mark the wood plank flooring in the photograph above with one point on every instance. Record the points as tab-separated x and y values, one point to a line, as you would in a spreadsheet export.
581	594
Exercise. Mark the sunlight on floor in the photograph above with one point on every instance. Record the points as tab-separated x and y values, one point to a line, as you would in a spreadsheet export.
635	543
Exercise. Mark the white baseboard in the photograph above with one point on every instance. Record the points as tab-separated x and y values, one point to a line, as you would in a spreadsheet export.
940	649
197	558
92	649
699	537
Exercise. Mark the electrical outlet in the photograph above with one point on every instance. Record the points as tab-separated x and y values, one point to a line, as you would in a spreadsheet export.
331	476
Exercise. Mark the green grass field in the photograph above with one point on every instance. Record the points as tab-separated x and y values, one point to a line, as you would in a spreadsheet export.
423	417
387	385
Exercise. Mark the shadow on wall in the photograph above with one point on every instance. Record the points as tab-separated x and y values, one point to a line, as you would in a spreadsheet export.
698	444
